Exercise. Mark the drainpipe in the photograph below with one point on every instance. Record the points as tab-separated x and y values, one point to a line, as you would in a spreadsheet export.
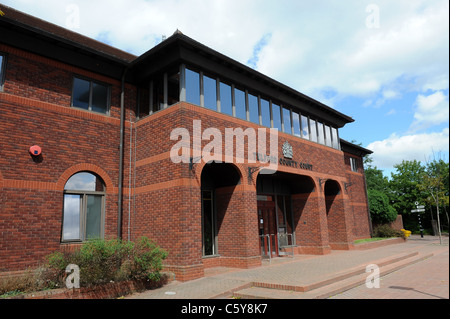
122	122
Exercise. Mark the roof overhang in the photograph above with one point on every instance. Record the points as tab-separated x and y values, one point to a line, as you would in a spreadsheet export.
354	149
179	48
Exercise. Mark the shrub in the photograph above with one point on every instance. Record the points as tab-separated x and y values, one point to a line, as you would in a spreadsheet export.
103	261
386	231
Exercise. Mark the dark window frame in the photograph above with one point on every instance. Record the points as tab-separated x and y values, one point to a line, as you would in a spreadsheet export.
91	83
3	70
83	209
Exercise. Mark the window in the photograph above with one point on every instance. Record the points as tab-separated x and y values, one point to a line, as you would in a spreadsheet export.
210	93
192	87
287	121
320	133
296	123
335	136
225	99
90	95
328	136
239	101
265	113
84	202
313	127
208	224
305	127
253	108
354	164
276	116
2	70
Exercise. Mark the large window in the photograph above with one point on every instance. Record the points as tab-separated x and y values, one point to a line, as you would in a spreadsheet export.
225	99
296	123
90	95
265	113
2	70
84	201
305	127
320	133
209	223
287	121
210	93
192	87
328	139
276	116
335	137
239	102
253	108
313	129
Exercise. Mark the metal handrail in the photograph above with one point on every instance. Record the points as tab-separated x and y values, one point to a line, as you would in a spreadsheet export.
287	242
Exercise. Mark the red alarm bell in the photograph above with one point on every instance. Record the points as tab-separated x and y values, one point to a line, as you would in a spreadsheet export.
35	150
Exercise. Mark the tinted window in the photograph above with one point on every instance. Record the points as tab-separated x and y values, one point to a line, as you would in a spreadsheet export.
287	121
2	71
296	123
305	127
276	115
320	133
210	93
253	108
192	87
313	128
265	113
225	99
90	95
81	91
239	101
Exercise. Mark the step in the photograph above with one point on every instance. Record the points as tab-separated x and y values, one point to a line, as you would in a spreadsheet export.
331	286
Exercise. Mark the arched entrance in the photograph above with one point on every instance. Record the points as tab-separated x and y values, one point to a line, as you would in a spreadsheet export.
281	198
337	230
219	200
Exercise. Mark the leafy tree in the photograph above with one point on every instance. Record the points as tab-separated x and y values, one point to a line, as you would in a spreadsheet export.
404	186
380	209
435	187
378	193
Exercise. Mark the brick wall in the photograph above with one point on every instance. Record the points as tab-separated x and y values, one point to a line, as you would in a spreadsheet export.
35	109
161	199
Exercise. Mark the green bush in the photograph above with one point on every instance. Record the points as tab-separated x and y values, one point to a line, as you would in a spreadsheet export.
386	231
103	261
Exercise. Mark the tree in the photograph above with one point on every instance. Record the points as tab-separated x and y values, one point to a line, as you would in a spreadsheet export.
435	187
404	188
381	211
378	193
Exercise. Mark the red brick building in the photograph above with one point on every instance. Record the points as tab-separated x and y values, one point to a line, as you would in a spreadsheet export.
124	149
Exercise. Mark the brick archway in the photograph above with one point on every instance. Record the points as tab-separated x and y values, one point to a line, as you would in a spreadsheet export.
110	189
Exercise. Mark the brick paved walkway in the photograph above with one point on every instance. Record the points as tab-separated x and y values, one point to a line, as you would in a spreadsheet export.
307	270
428	279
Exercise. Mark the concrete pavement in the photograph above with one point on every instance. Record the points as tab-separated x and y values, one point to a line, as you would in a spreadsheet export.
341	274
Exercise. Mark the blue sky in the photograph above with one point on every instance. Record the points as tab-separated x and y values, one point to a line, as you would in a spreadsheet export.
382	62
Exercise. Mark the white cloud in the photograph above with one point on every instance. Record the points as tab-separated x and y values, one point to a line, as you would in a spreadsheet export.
431	110
419	147
314	46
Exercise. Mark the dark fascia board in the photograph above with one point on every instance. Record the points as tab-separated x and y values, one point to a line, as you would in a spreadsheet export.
206	59
354	149
43	43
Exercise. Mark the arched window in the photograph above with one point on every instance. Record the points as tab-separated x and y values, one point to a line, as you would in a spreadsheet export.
84	202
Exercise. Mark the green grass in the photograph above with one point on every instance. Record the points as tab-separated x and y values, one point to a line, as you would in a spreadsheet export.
368	240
